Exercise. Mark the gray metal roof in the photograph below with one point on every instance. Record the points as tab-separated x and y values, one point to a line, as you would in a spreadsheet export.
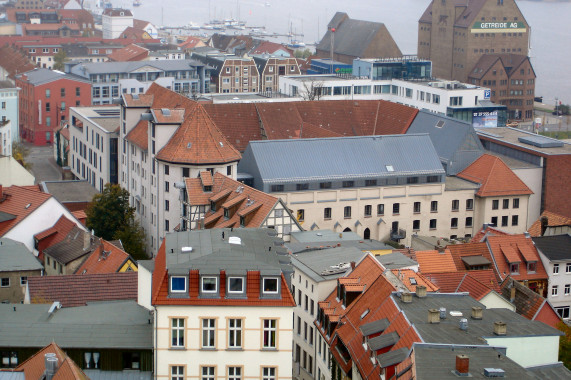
120	325
511	137
555	248
392	357
551	371
343	158
70	191
362	245
315	263
38	76
439	362
448	331
374	327
5	375
395	260
15	256
383	341
454	140
128	374
316	236
475	260
127	67
210	253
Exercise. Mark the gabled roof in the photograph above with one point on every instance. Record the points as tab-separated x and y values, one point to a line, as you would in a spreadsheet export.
237	121
139	135
19	202
76	289
487	231
140	24
515	249
411	280
191	42
198	141
134	34
269	47
433	261
106	258
510	63
354	37
35	366
553	220
117	12
454	282
60	229
556	247
495	177
40	76
129	53
72	247
14	61
15	257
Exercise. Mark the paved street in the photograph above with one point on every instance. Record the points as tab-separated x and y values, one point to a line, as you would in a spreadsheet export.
44	167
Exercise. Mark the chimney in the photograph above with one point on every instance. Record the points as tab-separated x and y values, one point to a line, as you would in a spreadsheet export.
463	324
86	241
51	364
500	328
544	224
476	312
406	297
462	365
352	265
512	293
420	291
442	311
1	192
433	316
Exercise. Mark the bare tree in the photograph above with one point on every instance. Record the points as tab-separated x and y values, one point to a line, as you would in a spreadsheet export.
313	90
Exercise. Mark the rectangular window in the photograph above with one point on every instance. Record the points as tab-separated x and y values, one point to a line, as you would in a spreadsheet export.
178	284
555	268
208	373
270	285
515	203
327	213
454	223
411	180
235	333
167	226
269	333
209	333
166	169
469	204
432	224
495	204
567	289
434	206
5	282
48	107
235	285
531	267
368	210
504	221
177	332
269	373
416	225
77	91
514	268
167	186
554	290
416	207
209	284
568	268
302	186
380	209
506	204
347	212
325	185
455	205
23	280
312	307
515	220
177	372
370	182
277	188
62	92
469	221
234	373
563	311
494	221
167	205
348	183
396	208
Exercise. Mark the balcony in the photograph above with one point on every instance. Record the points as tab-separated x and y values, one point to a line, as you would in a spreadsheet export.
398	234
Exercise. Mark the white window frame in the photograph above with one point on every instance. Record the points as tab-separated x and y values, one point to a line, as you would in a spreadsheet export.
269	373
567	289
177	372
177	328
235	291
554	290
178	291
207	372
276	279
2	282
209	291
235	373
568	268
210	333
270	328
555	268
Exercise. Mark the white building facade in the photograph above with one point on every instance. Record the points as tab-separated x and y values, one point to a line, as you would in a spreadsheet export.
115	21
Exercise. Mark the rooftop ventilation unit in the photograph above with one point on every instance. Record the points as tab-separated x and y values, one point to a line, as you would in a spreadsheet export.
494	372
186	249
166	112
234	240
440	124
540	142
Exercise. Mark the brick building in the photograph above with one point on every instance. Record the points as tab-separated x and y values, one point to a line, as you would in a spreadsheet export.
45	99
231	73
454	34
511	79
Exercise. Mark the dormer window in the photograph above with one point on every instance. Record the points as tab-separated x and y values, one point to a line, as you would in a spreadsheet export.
226	213
270	285
235	285
209	285
531	267
514	268
207	189
212	205
242	221
178	284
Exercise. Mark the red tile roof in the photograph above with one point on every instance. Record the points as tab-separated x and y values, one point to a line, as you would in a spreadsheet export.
142	100
238	122
480	235
77	289
405	276
269	47
34	367
50	27
495	177
107	258
14	61
134	34
191	42
433	261
198	141
20	202
80	215
129	53
168	116
139	135
553	220
508	249
454	282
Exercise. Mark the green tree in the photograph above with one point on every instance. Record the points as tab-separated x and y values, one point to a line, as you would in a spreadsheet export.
59	59
109	211
565	344
303	54
20	153
132	236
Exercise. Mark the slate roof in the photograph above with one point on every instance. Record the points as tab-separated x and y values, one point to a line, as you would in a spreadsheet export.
354	37
551	371
495	178
34	367
78	289
439	362
40	76
106	258
435	261
127	67
343	158
198	141
211	254
465	18
20	202
526	301
395	260
512	247
315	263
510	63
139	135
72	247
69	191
553	220
557	247
14	256
99	325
